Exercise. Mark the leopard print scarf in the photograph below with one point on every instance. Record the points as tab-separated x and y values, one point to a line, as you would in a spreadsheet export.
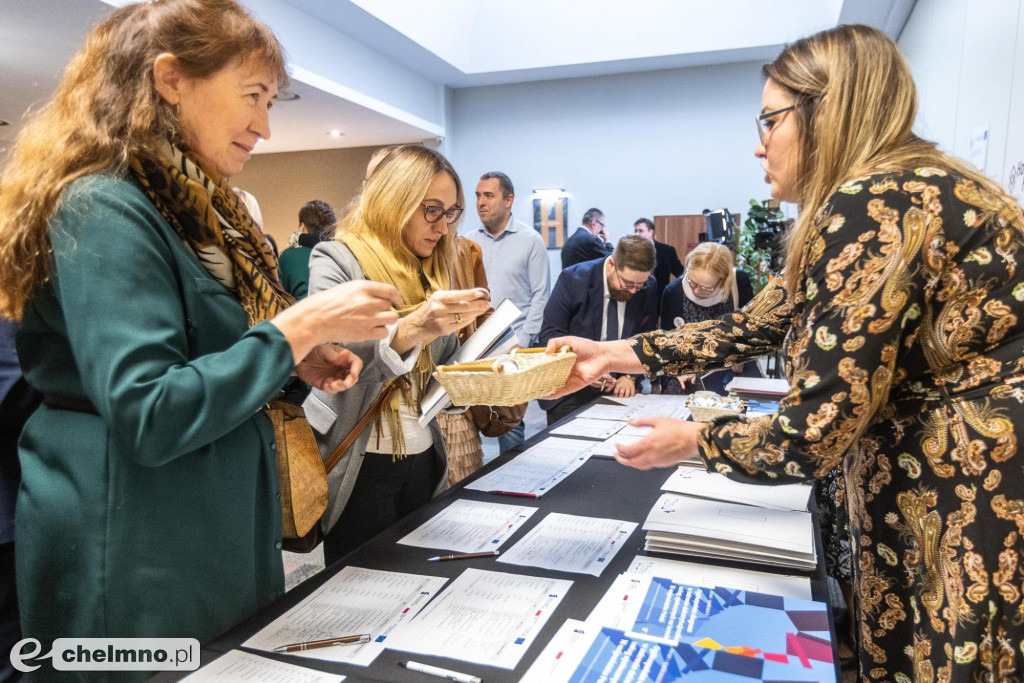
213	222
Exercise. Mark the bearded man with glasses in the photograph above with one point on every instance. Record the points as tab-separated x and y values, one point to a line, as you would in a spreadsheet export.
604	299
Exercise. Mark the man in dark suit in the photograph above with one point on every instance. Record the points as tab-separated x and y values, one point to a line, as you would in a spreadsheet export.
668	265
608	298
588	242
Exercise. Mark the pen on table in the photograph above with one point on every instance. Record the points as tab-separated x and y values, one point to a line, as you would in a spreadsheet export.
464	556
326	642
439	672
516	493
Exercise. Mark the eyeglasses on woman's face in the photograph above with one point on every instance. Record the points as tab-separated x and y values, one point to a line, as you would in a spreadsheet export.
432	213
701	289
767	121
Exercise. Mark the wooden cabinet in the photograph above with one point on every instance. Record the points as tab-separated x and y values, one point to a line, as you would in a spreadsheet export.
683	231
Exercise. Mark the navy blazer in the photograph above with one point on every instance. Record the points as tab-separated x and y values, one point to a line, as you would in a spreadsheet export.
576	307
582	246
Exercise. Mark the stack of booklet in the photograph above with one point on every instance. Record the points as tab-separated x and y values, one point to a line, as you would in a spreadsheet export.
708	515
660	626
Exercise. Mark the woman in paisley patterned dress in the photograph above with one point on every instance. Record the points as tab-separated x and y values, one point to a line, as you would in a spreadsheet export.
901	318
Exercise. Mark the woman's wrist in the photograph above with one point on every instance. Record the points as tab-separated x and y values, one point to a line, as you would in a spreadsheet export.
297	330
408	335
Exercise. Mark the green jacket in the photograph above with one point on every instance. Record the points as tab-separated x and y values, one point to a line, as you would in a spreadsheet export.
159	517
294	268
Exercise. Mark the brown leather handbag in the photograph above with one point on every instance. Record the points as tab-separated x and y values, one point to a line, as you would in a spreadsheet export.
303	473
497	420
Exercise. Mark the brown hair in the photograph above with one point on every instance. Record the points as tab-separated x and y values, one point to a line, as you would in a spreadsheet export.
634	252
714	257
106	110
855	104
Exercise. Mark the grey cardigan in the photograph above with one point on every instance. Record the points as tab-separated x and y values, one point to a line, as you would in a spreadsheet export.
332	416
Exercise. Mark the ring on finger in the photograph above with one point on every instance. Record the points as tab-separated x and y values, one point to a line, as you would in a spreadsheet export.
458	318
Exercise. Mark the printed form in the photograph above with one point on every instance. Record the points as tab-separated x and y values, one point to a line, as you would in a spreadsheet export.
353	601
484	617
536	470
568	543
469	526
243	666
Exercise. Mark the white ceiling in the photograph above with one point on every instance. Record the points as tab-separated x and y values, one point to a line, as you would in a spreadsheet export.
455	44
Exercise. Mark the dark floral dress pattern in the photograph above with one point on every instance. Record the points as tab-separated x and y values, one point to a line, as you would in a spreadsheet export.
905	351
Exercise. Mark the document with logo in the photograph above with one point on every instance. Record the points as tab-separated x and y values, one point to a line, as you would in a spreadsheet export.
536	470
717	575
470	526
570	543
704	484
355	601
588	428
243	666
485	617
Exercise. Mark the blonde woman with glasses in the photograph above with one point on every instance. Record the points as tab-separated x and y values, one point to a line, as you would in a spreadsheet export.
401	233
709	287
901	319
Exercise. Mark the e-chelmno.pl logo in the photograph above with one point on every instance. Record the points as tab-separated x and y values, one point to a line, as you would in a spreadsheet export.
110	654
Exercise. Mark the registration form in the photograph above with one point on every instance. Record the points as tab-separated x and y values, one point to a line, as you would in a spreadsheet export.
570	543
352	602
470	526
536	470
485	617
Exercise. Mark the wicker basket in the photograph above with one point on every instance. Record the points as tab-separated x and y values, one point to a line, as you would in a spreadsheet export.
721	407
507	380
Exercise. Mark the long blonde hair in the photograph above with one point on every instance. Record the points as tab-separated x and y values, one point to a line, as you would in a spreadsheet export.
855	105
714	257
106	110
393	193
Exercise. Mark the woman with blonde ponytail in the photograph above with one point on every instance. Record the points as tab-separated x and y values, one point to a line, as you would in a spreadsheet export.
155	327
901	317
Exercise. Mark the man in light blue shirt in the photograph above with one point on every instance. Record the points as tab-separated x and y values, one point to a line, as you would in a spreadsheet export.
516	263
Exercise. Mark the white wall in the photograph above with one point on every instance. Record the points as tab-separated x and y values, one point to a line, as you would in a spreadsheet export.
665	142
968	62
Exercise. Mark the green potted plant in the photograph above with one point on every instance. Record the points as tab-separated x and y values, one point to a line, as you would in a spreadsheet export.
761	231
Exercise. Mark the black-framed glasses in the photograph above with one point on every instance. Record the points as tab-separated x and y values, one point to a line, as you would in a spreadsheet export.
629	285
765	125
432	213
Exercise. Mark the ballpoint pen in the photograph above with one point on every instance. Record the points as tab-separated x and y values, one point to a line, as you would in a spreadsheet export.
326	642
516	493
463	556
440	673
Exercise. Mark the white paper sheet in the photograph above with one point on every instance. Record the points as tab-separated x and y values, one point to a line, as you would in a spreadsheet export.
720	529
243	666
569	543
714	575
704	484
536	470
667	400
607	411
469	526
352	602
558	660
608	447
588	428
485	617
631	430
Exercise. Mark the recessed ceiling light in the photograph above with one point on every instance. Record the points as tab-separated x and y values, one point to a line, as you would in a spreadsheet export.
335	133
284	95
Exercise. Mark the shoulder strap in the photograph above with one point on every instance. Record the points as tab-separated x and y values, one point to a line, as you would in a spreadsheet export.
363	423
